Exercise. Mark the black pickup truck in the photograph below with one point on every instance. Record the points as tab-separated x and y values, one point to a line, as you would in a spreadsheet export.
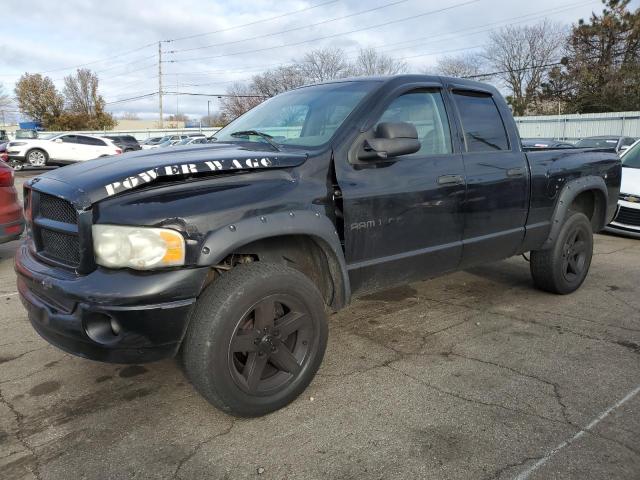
231	253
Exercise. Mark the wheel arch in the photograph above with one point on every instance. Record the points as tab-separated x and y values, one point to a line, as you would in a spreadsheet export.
304	240
38	147
588	195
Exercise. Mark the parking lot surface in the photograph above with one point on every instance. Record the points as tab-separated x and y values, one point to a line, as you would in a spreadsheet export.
474	375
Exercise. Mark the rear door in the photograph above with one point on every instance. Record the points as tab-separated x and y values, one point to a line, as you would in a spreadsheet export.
497	176
403	216
90	148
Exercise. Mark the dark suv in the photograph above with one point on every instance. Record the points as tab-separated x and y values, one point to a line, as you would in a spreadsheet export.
128	143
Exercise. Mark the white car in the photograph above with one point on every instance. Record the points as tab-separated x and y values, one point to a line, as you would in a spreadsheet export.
627	218
59	150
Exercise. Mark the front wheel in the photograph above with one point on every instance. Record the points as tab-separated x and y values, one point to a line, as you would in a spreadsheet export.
563	267
37	158
256	339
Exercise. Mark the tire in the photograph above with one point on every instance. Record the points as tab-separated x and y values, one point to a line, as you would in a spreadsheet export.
256	339
562	268
37	158
17	165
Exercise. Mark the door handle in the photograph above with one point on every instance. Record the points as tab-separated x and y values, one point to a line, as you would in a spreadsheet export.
450	180
515	172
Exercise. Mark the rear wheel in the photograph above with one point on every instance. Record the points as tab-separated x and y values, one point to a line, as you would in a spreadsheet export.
256	339
563	267
37	158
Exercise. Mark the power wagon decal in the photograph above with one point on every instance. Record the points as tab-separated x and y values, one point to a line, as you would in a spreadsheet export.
150	175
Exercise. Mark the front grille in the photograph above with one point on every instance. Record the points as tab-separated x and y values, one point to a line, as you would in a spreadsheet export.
628	216
55	227
57	209
60	246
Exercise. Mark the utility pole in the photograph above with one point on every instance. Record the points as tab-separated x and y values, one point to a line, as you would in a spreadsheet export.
160	81
208	113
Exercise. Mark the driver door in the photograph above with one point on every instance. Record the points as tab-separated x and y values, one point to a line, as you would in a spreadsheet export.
403	218
63	148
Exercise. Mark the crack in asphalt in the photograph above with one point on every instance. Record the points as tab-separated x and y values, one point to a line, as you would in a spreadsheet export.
11	359
19	435
554	385
199	446
476	401
627	345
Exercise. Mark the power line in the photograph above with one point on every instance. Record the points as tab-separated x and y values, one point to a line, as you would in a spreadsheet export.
251	23
523	69
219	95
72	67
138	97
133	50
289	30
391	22
510	20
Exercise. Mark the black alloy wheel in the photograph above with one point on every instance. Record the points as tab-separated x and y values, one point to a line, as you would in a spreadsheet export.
270	344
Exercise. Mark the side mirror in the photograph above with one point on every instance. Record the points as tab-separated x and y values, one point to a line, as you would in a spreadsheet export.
391	140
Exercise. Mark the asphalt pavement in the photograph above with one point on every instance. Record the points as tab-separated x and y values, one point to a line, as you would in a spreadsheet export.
475	375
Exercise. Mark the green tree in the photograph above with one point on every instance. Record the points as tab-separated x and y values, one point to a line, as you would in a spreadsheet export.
603	61
38	98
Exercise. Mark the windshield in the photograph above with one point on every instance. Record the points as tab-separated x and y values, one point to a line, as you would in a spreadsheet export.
631	157
597	143
184	141
307	116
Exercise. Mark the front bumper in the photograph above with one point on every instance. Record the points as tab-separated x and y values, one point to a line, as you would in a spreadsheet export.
117	316
626	225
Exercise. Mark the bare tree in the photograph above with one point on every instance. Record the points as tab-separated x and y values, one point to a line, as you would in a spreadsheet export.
81	92
240	98
278	80
520	56
129	116
461	66
371	62
325	64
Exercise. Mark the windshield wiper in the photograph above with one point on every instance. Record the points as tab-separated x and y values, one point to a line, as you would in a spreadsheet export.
268	138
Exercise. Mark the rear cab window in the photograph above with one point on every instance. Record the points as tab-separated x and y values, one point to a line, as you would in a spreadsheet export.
482	124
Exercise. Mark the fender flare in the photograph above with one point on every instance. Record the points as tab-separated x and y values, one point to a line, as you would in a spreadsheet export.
568	194
222	242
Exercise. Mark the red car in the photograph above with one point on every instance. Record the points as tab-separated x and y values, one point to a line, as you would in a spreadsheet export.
11	219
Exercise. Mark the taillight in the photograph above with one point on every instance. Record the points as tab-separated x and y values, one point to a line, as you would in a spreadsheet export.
118	151
4	156
6	177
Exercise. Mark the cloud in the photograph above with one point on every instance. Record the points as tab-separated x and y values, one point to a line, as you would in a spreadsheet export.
54	35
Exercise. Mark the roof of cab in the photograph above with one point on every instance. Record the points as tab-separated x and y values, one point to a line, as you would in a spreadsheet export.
409	77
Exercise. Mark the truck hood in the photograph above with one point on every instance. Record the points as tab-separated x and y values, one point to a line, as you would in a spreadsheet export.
88	182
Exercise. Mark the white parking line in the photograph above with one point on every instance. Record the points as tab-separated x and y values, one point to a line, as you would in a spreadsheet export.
524	475
11	294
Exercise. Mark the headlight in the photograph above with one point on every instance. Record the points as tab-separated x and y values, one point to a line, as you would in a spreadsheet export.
16	144
141	248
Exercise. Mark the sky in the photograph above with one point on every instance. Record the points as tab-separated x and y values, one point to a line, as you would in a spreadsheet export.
208	45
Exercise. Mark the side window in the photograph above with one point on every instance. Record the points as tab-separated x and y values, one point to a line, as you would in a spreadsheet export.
482	124
425	110
91	141
70	139
628	141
